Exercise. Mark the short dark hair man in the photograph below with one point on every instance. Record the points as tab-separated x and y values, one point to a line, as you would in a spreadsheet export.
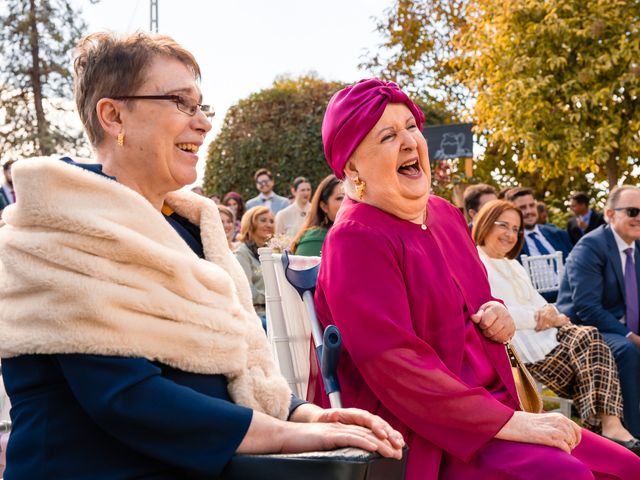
7	194
600	288
267	197
585	220
475	196
538	239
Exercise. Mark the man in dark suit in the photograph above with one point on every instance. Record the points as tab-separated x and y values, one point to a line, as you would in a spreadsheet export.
538	239
585	220
600	288
475	196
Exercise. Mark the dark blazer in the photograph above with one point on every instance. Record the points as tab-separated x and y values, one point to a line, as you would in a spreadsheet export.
592	288
101	417
559	240
574	231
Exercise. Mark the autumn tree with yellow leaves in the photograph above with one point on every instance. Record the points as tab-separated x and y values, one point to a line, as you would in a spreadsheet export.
551	85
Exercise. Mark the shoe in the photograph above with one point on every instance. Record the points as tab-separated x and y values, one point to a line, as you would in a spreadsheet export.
633	444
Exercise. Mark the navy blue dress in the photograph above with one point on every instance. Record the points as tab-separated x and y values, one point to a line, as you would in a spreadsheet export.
92	417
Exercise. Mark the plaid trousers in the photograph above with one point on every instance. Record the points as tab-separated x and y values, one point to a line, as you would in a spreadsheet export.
582	368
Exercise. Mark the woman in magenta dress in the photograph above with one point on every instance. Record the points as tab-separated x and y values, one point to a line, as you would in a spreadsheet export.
423	338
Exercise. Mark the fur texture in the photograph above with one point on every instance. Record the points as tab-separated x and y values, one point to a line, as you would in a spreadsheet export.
87	265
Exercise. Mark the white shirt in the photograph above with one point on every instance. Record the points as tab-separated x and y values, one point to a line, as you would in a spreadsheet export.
510	283
551	274
533	250
622	246
289	220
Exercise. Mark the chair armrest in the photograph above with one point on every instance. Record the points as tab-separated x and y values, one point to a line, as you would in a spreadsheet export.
341	464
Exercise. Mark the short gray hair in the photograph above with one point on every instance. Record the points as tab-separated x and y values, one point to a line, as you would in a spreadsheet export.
614	195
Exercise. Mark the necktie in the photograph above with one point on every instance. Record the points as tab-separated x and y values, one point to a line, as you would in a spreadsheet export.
631	290
534	236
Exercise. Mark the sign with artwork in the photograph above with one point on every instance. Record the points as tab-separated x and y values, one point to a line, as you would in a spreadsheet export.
449	141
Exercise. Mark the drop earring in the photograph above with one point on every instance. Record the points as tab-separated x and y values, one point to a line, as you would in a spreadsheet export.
120	139
360	186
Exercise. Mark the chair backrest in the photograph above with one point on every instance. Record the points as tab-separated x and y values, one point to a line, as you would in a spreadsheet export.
288	323
545	271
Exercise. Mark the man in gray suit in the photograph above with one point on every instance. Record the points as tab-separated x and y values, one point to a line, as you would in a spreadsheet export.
267	197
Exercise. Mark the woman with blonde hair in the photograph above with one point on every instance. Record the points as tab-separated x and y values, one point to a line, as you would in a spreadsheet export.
256	228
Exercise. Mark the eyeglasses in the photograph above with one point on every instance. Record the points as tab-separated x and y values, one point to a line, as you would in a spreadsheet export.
263	182
631	212
504	226
183	104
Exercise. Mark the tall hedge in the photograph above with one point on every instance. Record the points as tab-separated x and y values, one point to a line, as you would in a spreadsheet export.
278	128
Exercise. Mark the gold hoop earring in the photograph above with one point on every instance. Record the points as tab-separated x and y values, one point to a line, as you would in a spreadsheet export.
120	139
360	186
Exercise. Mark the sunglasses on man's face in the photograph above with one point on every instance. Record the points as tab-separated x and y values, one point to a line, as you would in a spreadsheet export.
631	212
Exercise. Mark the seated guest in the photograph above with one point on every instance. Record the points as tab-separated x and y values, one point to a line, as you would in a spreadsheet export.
423	339
475	196
324	207
267	197
543	214
290	219
585	219
235	203
227	218
539	239
600	288
130	347
573	361
256	229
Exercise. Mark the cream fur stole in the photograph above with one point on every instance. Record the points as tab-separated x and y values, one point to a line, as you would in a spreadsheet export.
87	265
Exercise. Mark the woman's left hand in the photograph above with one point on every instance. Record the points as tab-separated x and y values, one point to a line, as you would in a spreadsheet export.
349	416
495	321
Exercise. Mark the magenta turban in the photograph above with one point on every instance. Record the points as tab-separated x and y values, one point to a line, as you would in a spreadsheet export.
352	113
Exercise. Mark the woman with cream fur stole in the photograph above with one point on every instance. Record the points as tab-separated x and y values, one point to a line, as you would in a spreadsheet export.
129	343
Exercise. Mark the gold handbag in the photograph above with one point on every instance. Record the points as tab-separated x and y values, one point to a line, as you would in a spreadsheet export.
528	394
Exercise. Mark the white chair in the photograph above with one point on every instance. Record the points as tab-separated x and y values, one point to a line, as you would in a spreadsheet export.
292	323
545	271
564	404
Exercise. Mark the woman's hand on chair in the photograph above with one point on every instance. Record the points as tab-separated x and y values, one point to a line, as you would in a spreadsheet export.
313	428
551	429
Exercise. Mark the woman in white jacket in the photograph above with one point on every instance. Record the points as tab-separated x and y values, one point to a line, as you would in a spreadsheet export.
574	361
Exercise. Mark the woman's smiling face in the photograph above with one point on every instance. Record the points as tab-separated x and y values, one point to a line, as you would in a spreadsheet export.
503	235
393	161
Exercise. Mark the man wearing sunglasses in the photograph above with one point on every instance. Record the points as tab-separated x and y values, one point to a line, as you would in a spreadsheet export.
267	197
600	288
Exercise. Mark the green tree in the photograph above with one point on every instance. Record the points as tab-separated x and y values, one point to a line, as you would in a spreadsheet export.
36	47
417	48
550	84
278	128
556	84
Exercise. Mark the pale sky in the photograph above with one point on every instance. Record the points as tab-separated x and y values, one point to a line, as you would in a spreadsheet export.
242	46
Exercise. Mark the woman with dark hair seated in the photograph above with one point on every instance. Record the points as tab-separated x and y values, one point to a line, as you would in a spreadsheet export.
324	207
423	337
234	202
130	346
574	361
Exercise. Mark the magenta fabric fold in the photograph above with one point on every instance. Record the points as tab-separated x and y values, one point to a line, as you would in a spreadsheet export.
352	113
